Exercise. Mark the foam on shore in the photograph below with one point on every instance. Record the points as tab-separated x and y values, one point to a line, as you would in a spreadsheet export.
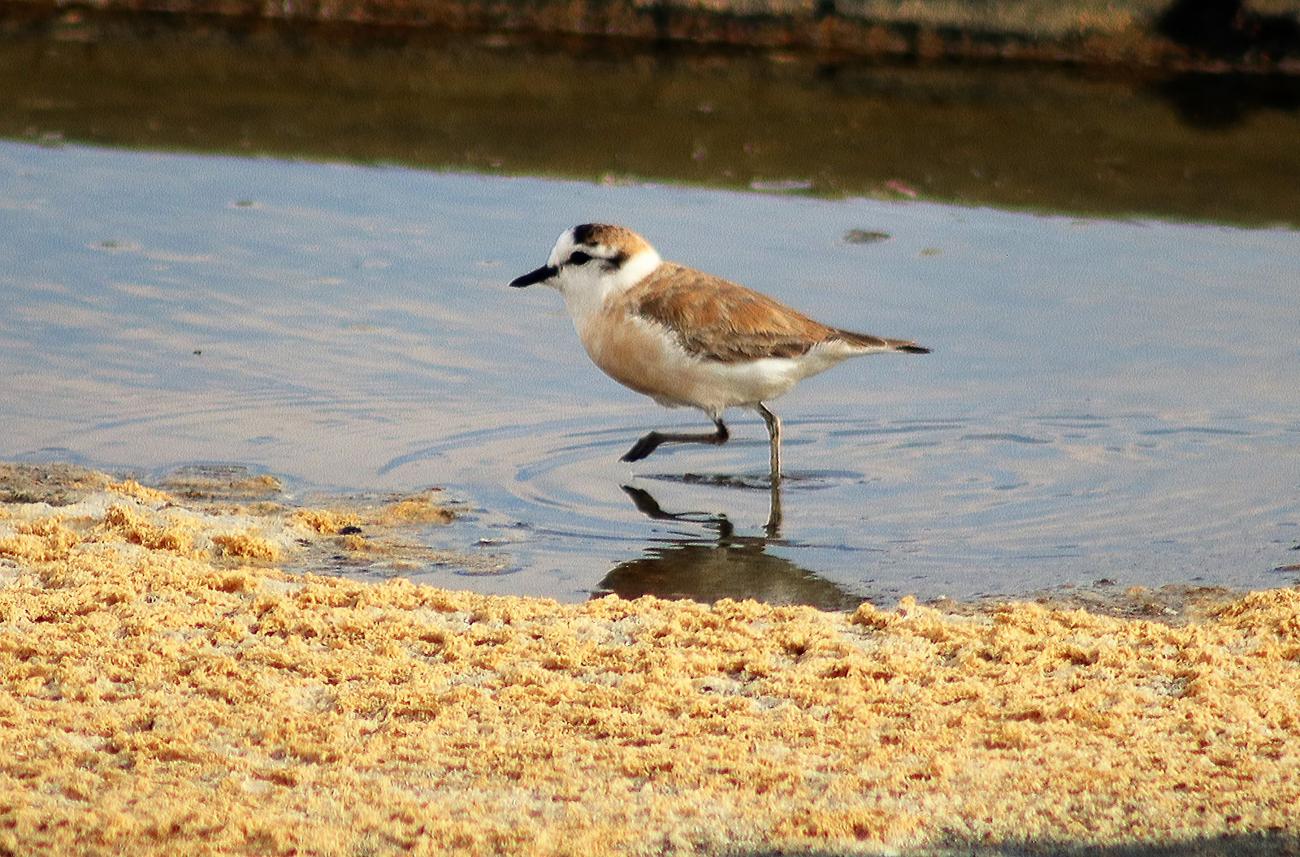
166	686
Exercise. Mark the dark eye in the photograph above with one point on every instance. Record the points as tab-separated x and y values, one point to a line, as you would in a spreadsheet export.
579	258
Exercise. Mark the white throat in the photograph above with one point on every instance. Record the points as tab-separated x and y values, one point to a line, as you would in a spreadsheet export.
587	289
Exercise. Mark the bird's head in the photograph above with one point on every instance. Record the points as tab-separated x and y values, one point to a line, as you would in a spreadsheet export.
593	260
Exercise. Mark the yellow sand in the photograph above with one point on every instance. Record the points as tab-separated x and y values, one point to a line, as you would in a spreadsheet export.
165	689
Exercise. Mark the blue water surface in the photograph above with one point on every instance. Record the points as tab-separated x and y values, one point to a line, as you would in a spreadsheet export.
1114	400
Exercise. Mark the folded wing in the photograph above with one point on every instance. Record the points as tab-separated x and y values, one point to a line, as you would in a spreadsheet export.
716	319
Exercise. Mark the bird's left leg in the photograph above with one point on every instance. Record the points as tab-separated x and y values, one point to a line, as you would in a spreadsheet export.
774	435
650	442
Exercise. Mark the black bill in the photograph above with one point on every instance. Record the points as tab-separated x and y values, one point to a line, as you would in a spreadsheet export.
540	275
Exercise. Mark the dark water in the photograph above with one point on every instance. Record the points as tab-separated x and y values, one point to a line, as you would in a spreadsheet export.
1208	146
1106	399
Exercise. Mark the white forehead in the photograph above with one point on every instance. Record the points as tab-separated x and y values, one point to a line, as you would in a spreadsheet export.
599	239
568	242
563	247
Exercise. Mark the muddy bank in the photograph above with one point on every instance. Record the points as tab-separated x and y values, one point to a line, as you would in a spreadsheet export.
1172	33
168	687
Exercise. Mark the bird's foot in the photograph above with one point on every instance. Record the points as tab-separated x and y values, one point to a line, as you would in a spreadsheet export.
643	447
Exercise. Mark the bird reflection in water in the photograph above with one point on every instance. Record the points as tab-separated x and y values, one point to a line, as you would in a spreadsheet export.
734	566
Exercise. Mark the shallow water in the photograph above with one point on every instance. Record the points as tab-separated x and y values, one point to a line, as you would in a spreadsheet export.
1105	400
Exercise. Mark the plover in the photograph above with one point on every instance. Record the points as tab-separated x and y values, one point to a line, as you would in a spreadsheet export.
686	338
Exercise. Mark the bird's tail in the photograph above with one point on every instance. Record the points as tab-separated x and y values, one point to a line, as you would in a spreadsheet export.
867	342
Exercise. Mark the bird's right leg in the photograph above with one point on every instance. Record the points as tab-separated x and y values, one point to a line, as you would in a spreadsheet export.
651	442
774	436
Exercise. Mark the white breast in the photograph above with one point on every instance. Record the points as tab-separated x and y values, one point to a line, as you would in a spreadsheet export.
648	358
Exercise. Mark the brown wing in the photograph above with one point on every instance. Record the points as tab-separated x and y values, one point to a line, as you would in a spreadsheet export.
719	320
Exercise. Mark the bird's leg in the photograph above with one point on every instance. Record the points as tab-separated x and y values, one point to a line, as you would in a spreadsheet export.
773	526
650	442
774	434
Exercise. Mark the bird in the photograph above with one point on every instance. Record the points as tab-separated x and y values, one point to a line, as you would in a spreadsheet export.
687	338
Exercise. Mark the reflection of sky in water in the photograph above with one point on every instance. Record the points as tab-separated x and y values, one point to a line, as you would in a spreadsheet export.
1105	399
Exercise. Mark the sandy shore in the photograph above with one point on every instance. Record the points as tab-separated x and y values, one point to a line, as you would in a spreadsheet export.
168	687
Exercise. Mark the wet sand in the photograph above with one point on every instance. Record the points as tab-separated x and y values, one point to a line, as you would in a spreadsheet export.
170	685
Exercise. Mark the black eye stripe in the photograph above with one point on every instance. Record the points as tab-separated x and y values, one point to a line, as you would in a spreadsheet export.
579	257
